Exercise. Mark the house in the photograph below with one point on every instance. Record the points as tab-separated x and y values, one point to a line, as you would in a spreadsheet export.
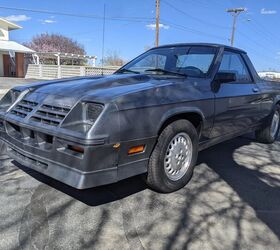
11	53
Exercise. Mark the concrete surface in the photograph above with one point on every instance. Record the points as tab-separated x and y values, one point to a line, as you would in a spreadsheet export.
8	82
232	202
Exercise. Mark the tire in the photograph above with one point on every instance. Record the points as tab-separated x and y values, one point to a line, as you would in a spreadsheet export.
269	132
182	137
2	149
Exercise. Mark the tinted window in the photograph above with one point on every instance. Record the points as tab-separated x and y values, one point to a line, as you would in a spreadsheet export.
234	63
197	58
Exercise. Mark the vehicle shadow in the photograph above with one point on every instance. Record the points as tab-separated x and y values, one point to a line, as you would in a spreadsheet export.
92	196
244	166
248	168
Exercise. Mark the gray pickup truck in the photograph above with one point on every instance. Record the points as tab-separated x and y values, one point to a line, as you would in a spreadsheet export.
151	117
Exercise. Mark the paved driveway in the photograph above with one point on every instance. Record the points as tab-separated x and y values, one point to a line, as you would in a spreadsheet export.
232	202
8	82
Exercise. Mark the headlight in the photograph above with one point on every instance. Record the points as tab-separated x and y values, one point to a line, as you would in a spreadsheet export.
9	99
92	111
83	116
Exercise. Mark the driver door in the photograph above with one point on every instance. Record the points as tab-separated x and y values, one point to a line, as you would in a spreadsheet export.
238	103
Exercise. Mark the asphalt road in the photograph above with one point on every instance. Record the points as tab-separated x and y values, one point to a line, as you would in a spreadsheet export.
232	202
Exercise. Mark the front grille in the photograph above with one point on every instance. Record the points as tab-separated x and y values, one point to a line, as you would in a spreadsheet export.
50	115
23	108
30	137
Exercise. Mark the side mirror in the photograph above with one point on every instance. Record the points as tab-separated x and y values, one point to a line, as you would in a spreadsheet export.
225	77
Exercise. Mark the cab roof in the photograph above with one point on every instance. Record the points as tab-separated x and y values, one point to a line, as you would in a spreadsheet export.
214	45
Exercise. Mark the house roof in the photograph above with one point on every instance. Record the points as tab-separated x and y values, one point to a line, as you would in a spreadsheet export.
11	26
14	46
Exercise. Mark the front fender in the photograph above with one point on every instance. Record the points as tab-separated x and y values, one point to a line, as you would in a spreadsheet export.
276	100
180	111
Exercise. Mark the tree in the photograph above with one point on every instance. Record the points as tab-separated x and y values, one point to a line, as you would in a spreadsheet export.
46	42
113	59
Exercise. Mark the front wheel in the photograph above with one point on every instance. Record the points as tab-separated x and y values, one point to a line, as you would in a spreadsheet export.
173	158
270	131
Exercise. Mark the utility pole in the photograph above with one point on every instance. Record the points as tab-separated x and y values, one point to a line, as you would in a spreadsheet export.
157	22
103	38
235	13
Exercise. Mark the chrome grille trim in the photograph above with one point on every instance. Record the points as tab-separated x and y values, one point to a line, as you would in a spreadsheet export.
50	114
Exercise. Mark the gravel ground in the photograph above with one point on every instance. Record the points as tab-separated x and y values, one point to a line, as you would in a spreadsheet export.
232	202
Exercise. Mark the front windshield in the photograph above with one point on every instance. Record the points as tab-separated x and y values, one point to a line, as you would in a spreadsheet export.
192	61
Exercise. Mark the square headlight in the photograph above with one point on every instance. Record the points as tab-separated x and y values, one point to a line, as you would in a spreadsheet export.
92	111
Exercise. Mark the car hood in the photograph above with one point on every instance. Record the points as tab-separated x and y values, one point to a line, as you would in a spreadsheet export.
121	89
112	85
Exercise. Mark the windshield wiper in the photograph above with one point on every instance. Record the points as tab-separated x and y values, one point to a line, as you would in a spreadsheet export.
128	71
165	72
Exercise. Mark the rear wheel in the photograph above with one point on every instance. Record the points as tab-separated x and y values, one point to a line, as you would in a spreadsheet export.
173	158
270	131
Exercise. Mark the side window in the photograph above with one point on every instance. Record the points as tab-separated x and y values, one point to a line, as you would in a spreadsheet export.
196	62
234	63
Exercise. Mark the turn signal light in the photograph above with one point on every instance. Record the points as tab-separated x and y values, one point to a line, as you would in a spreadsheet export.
76	149
136	149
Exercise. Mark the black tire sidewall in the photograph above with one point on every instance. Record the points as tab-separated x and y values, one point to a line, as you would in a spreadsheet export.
263	135
272	139
277	109
180	126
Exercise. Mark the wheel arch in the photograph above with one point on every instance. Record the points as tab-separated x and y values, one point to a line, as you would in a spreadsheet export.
195	116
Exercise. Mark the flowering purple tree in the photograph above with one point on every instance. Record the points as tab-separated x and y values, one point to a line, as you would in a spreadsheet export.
46	42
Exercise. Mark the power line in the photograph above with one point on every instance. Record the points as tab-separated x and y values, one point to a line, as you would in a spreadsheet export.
268	32
185	28
207	4
132	19
190	16
266	39
249	39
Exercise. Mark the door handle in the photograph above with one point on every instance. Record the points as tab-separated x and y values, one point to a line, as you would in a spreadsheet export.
255	89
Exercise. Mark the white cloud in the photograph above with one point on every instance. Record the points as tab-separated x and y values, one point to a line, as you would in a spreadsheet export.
152	26
268	12
47	21
17	18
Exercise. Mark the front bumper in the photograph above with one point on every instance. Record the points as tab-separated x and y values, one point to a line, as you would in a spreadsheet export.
50	155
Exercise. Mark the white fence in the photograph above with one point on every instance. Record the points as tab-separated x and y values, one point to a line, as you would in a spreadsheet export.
43	71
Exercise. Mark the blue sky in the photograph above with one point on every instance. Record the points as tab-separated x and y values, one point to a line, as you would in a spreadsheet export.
201	21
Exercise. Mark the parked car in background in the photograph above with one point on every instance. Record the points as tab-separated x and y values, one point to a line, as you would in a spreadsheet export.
152	116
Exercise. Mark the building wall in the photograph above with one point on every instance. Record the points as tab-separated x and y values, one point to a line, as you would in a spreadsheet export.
1	65
6	62
19	65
